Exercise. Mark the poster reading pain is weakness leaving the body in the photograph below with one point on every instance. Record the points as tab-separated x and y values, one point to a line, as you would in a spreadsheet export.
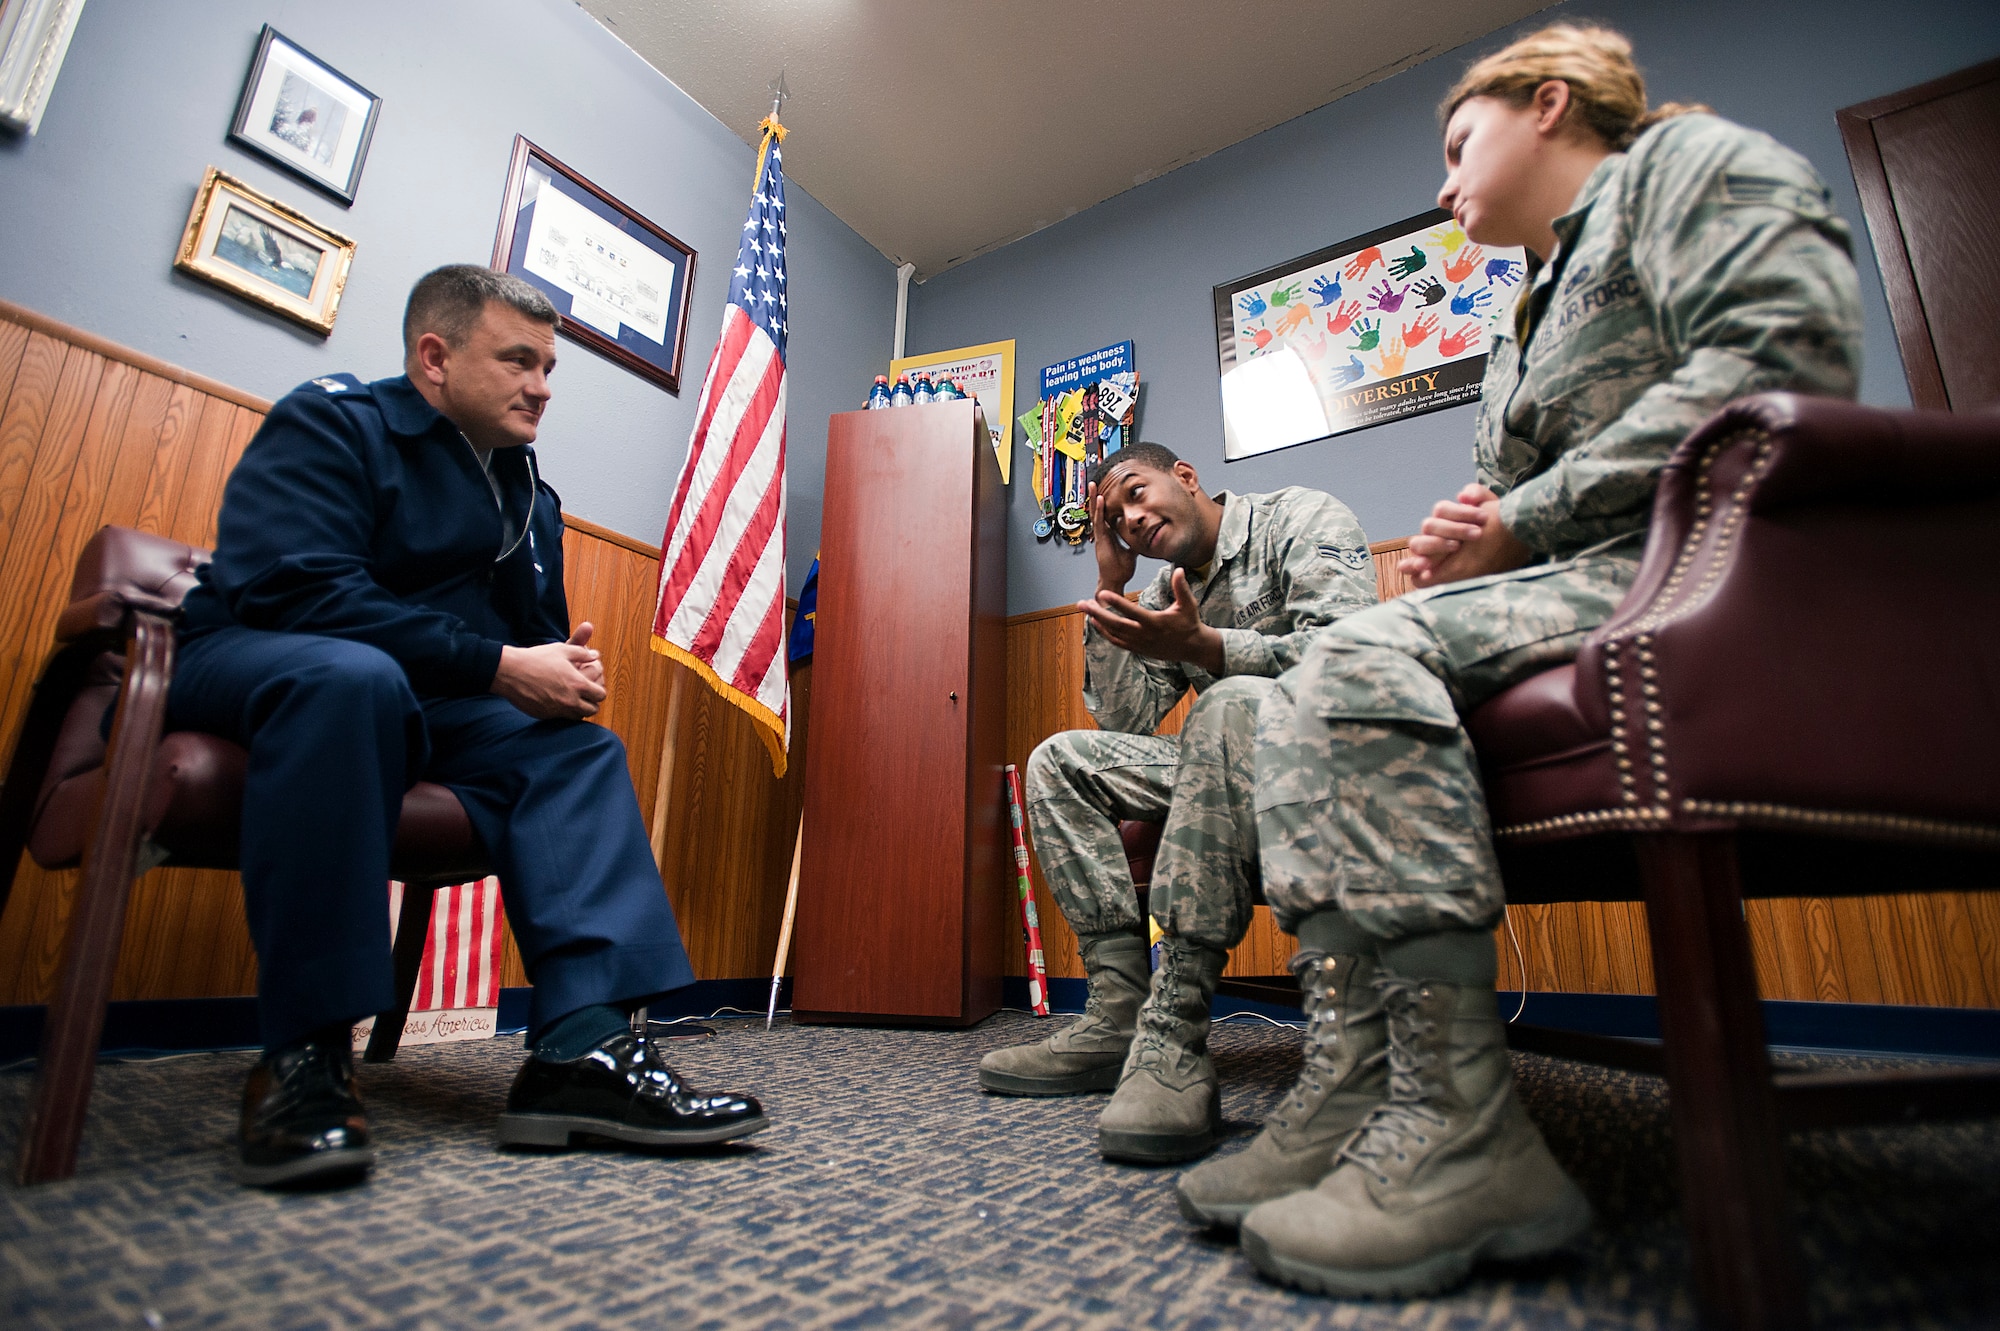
1386	325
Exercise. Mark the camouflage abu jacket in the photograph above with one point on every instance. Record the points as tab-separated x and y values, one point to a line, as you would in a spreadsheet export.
1703	264
1285	565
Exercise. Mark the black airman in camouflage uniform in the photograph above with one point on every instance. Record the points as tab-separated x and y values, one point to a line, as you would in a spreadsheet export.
1279	568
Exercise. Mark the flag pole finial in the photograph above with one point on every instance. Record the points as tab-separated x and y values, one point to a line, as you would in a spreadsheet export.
779	92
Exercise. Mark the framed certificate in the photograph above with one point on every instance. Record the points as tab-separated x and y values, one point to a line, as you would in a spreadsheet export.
620	283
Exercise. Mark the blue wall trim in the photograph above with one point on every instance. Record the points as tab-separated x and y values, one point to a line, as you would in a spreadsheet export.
186	1025
1862	1028
174	1025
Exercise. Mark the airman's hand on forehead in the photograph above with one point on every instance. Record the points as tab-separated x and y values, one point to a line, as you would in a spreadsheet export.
1116	561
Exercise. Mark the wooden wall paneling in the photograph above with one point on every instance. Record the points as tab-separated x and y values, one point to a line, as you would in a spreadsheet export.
199	495
13	342
1915	963
173	449
1825	976
31	538
1857	970
240	434
21	425
1777	944
1983	957
93	433
1044	695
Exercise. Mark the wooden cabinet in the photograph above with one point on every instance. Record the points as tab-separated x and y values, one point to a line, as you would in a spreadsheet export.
904	884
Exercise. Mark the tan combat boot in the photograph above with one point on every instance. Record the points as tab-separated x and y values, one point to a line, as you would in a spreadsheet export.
1168	1106
1087	1054
1448	1171
1342	1080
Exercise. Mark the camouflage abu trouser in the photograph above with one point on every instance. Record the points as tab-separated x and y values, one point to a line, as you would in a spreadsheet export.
1081	783
1367	792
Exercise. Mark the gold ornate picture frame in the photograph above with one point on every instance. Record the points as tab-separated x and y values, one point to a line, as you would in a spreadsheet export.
267	252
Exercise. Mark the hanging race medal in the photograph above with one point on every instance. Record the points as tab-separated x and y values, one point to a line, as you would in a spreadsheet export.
1073	517
1093	448
1051	474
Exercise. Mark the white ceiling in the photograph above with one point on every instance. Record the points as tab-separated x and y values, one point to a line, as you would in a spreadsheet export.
941	129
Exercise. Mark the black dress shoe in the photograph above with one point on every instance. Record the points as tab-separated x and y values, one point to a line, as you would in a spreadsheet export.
301	1118
620	1090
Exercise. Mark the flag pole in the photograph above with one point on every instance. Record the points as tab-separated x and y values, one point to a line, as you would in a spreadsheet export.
785	933
779	92
669	750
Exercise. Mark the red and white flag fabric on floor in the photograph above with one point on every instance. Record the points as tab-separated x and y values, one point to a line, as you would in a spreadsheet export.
720	607
462	956
458	984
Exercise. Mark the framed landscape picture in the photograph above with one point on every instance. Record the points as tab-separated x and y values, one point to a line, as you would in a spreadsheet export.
305	116
265	251
621	283
1386	325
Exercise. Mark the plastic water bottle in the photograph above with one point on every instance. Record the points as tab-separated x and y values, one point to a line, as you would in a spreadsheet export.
878	396
925	393
947	391
900	395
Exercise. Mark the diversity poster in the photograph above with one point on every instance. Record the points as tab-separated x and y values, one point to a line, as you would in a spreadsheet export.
987	373
1385	326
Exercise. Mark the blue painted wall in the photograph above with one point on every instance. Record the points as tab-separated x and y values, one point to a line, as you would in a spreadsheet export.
92	207
1141	265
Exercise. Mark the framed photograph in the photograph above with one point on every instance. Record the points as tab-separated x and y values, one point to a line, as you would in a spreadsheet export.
1383	326
621	283
305	115
265	251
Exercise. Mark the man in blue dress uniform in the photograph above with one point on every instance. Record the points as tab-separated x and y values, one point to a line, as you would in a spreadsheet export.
386	606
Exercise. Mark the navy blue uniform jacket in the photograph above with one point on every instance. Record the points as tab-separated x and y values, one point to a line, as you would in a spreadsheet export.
360	512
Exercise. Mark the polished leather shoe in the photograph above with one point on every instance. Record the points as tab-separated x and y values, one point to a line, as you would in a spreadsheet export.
622	1091
302	1120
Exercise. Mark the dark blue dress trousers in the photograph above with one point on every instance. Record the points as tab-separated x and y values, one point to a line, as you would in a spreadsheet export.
335	736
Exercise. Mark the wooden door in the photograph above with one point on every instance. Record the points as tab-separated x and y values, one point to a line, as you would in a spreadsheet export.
1927	165
882	885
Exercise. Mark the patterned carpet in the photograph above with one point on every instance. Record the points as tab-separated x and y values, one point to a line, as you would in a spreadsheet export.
890	1193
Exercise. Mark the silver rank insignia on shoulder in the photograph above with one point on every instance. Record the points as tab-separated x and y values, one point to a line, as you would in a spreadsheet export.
1351	558
331	385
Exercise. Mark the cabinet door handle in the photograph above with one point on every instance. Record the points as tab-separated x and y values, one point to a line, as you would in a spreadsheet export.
954	695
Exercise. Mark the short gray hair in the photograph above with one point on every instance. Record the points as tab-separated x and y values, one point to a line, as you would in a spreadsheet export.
449	300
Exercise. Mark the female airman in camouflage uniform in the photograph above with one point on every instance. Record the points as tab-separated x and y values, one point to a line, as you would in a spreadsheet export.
1682	261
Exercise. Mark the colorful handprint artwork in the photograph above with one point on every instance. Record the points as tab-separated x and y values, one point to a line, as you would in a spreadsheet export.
1391	324
1410	264
1292	318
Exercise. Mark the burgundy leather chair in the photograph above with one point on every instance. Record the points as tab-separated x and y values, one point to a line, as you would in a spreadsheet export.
147	799
1800	696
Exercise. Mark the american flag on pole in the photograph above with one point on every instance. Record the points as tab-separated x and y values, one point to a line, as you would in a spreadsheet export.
720	609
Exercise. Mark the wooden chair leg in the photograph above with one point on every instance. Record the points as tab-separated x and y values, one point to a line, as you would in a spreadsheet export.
413	926
1746	1263
68	1063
